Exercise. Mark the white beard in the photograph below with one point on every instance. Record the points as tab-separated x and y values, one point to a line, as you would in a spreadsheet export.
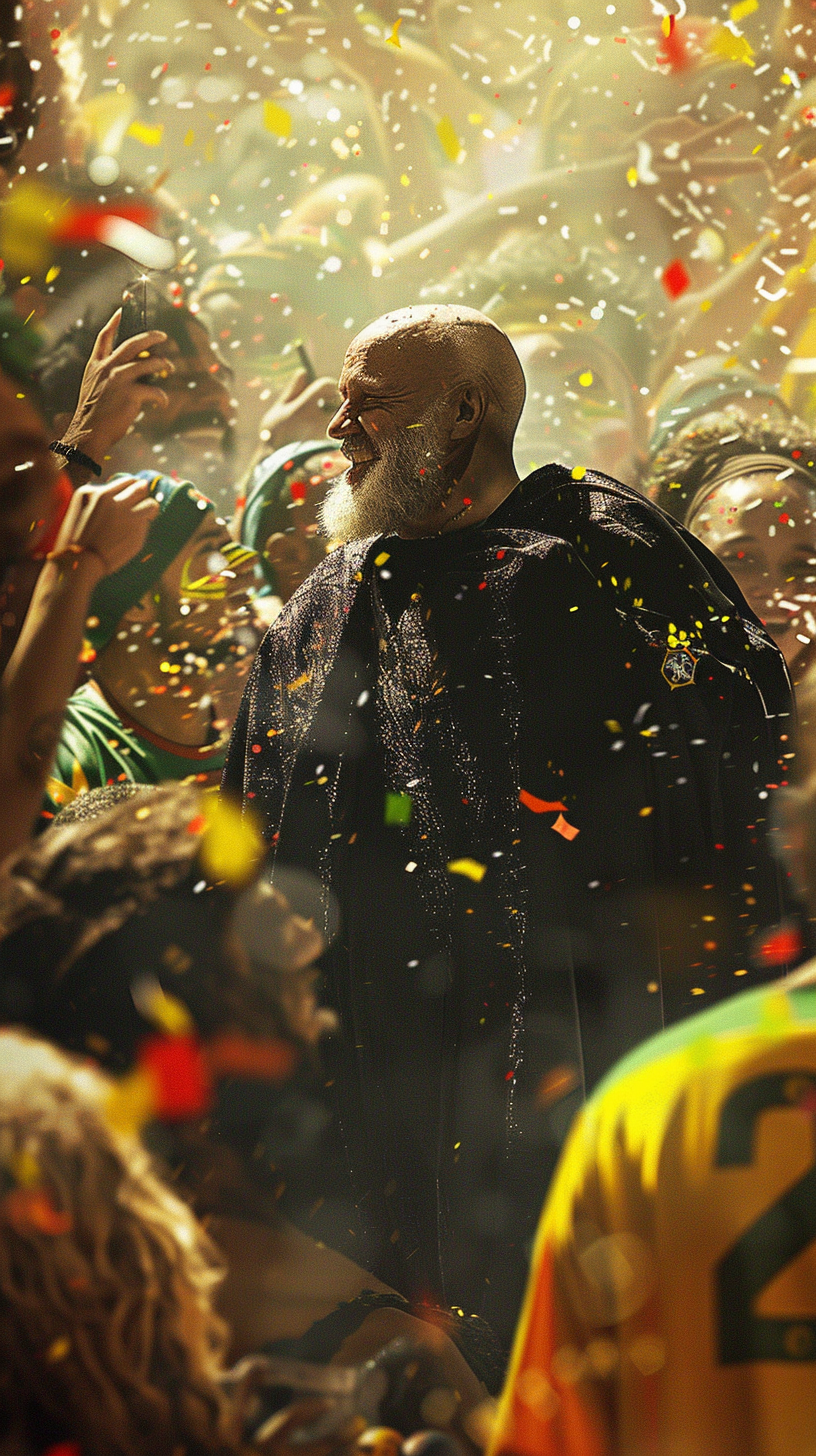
392	493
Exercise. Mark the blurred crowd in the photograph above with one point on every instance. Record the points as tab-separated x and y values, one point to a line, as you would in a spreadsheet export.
201	203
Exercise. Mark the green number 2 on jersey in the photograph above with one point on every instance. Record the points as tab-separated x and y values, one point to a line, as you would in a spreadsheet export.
772	1241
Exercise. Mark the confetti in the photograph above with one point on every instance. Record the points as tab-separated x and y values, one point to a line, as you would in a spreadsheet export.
470	868
398	808
277	119
727	46
449	141
675	278
58	1350
567	831
393	39
177	1068
231	847
149	136
540	806
31	1210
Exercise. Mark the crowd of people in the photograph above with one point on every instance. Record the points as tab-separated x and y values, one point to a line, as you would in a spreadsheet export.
407	729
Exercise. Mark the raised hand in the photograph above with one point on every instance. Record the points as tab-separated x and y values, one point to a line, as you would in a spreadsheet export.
109	521
115	390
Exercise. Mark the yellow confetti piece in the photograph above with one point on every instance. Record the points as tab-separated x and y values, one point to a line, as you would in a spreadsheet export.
25	1168
168	1013
277	119
298	682
613	725
53	273
189	138
475	118
578	472
58	1349
645	812
393	39
58	792
131	1102
586	378
666	24
231	847
446	131
470	868
705	305
149	136
405	180
730	47
632	176
745	7
382	558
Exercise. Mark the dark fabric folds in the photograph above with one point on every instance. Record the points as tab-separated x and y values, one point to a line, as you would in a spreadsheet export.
577	662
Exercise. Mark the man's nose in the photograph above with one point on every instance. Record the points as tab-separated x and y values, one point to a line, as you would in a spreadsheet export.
340	423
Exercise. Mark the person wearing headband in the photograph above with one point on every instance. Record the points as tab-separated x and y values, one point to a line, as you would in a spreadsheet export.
280	520
161	694
749	492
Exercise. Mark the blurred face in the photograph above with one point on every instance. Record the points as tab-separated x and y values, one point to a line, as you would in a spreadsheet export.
578	408
207	587
764	531
295	552
28	473
192	438
393	425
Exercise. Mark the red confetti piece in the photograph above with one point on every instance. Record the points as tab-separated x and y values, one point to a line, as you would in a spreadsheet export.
30	1209
197	825
83	224
179	1070
541	806
297	490
675	278
781	946
236	1054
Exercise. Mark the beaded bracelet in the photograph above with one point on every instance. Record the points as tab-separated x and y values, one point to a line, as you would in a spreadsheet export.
76	457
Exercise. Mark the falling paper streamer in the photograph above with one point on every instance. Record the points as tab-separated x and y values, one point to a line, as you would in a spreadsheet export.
135	242
540	806
393	39
277	119
449	141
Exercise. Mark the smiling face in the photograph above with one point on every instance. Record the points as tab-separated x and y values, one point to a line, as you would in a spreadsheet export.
394	427
764	531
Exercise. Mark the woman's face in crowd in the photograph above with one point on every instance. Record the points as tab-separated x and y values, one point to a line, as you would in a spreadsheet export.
764	531
297	551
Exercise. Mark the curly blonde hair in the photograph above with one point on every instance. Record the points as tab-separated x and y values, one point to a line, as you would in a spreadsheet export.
106	1323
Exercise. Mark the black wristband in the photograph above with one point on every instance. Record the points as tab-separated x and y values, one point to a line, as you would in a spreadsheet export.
75	456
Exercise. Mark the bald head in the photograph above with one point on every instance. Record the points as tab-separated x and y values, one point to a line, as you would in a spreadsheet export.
431	399
450	346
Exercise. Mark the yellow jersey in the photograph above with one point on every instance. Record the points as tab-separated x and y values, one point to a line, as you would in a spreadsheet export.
671	1307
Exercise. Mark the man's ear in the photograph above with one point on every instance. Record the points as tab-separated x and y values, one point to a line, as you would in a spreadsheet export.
470	412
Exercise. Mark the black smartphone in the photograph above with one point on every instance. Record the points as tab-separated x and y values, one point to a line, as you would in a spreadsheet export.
134	318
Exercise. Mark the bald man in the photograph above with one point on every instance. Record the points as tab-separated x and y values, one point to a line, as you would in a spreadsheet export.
521	733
